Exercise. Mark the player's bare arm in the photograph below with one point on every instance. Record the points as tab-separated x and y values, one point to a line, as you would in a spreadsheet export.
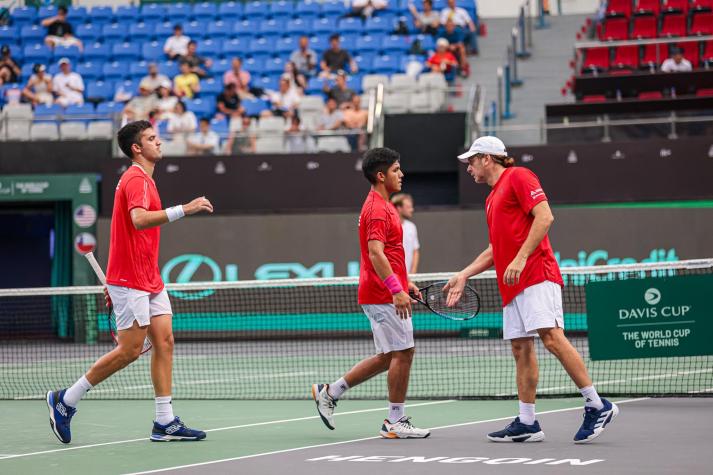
144	219
456	284
542	223
383	269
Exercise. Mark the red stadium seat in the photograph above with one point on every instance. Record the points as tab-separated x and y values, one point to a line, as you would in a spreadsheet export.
626	57
705	92
650	95
675	5
648	6
645	26
596	59
708	52
650	58
615	29
702	24
619	8
595	98
673	24
691	52
702	5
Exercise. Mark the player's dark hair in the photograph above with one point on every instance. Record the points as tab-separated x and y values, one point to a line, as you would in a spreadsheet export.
130	134
334	36
62	9
505	161
378	160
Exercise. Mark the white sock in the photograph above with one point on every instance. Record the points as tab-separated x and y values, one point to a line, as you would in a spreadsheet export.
527	413
396	411
77	392
164	410
337	388
591	398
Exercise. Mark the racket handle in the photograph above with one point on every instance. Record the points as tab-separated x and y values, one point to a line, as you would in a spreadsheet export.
97	268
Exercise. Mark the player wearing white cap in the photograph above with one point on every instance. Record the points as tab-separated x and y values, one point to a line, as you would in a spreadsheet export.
530	285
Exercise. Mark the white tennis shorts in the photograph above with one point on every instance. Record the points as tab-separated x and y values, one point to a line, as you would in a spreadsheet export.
391	333
538	306
131	304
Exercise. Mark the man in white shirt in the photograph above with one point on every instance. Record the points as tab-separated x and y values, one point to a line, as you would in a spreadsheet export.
366	8
205	141
462	19
176	45
68	85
154	80
404	205
676	63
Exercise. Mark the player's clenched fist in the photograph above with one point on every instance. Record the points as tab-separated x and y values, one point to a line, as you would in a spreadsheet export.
198	205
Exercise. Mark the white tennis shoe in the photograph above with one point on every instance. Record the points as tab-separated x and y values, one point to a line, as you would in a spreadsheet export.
325	404
402	429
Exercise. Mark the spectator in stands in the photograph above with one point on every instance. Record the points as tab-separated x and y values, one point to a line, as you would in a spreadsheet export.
285	101
181	122
176	45
38	89
166	102
228	102
355	117
295	140
462	19
239	77
205	141
59	31
198	64
9	70
187	83
335	58
676	63
443	61
366	8
304	58
154	80
241	141
454	35
141	105
340	92
68	85
331	118
296	79
428	21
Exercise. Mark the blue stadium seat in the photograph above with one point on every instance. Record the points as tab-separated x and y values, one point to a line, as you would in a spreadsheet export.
365	62
128	85
235	47
114	31
378	25
205	11
47	113
427	42
261	45
46	11
368	43
354	83
256	9
126	52
101	14
271	83
282	9
246	27
287	45
230	10
297	26
307	8
88	32
76	112
96	52
221	66
76	15
127	12
405	60
211	86
195	29
324	25
319	43
168	68
334	8
348	42
274	65
115	70
253	107
164	29
387	64
109	108
220	126
154	11
70	52
178	12
9	34
201	107
100	91
32	33
254	65
152	51
219	30
351	25
314	86
273	27
396	43
22	16
26	71
139	69
211	48
37	53
142	31
53	69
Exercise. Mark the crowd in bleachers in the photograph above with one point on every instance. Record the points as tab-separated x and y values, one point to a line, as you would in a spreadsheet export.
233	63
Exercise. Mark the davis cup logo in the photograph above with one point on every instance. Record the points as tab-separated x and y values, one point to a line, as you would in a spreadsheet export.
652	296
85	242
85	216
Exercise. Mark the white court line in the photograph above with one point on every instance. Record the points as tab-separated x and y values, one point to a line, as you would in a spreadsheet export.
242	426
200	464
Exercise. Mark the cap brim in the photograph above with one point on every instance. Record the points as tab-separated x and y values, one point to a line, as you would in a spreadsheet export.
465	156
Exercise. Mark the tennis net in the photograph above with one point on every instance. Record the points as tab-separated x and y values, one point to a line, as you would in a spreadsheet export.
273	339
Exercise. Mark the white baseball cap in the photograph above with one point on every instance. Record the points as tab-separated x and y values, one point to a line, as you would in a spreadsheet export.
486	145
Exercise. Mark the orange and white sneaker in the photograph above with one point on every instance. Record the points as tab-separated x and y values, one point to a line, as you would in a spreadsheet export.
402	429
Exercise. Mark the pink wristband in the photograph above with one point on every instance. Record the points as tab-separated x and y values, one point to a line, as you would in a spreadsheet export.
393	284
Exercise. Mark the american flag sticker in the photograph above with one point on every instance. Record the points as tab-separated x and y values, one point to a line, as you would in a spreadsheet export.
85	216
85	242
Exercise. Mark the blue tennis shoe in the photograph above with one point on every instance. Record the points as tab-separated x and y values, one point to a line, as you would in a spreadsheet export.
595	420
60	415
516	431
174	430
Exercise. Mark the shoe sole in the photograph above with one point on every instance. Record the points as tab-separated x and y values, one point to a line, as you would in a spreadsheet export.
597	432
393	435
315	396
53	423
173	438
534	437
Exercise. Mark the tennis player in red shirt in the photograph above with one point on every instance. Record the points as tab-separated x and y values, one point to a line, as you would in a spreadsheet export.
530	284
135	288
383	295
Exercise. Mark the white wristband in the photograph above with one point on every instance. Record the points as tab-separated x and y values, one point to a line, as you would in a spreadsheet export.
175	213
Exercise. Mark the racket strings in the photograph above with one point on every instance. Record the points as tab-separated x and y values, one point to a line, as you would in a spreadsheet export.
468	305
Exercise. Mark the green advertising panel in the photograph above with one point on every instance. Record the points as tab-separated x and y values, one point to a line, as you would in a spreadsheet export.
654	317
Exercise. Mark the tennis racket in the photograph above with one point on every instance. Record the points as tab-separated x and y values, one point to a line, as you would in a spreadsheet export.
112	316
434	299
